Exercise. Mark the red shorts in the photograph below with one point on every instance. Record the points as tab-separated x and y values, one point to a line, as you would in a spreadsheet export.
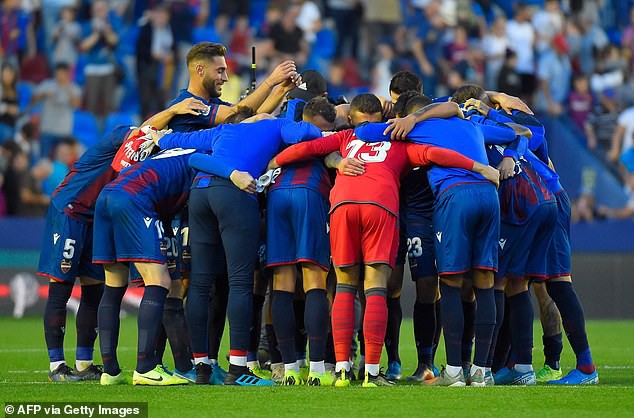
363	233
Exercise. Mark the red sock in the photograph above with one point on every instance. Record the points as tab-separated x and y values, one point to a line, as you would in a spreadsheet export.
343	323
374	326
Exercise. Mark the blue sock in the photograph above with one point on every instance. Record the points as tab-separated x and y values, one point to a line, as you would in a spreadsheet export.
424	330
574	322
108	320
55	318
149	321
86	321
484	324
284	324
392	334
316	321
175	327
301	336
452	322
256	327
522	327
553	347
499	319
469	312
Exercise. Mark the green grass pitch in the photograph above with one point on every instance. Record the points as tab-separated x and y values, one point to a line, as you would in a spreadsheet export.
24	363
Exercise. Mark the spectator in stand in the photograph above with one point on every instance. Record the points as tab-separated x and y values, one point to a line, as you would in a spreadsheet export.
336	85
381	18
509	80
428	45
155	55
627	40
66	36
580	102
309	20
98	45
61	96
494	46
240	44
554	74
65	156
521	36
22	187
456	52
228	11
623	138
602	122
626	211
27	141
547	23
17	38
287	39
9	109
347	17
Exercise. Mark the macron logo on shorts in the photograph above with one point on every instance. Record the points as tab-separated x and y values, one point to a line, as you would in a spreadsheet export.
147	221
55	238
439	236
502	243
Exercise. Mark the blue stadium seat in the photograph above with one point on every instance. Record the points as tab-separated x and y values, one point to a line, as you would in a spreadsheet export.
25	92
127	40
205	34
120	118
85	127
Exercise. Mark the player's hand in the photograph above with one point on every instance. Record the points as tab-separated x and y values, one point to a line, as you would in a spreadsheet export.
351	167
283	71
492	174
388	108
243	181
510	103
477	105
272	164
156	135
400	127
507	168
189	106
290	83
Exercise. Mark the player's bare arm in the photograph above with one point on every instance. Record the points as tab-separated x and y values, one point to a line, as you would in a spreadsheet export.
345	166
506	168
488	172
508	103
285	70
189	106
279	93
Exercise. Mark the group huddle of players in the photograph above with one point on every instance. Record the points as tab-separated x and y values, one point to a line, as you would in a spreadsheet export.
231	201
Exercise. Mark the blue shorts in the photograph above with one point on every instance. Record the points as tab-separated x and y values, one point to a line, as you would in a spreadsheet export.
127	232
297	228
172	250
420	246
467	228
558	261
523	248
67	249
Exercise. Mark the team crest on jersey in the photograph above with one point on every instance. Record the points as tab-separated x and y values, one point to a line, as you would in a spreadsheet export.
55	238
147	221
502	243
439	236
65	265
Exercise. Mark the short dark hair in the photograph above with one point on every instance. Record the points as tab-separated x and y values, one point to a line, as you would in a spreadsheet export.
205	51
322	107
401	102
366	103
62	66
239	114
416	103
466	92
404	81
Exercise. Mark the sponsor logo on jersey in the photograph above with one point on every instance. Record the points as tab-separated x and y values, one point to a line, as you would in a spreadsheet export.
439	236
65	265
55	238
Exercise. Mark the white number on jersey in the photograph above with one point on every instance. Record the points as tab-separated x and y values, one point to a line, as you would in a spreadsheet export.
414	247
174	152
69	249
378	150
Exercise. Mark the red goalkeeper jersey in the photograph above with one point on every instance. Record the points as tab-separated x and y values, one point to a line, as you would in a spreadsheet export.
385	164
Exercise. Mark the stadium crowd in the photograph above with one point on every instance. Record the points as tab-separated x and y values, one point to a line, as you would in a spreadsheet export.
72	70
